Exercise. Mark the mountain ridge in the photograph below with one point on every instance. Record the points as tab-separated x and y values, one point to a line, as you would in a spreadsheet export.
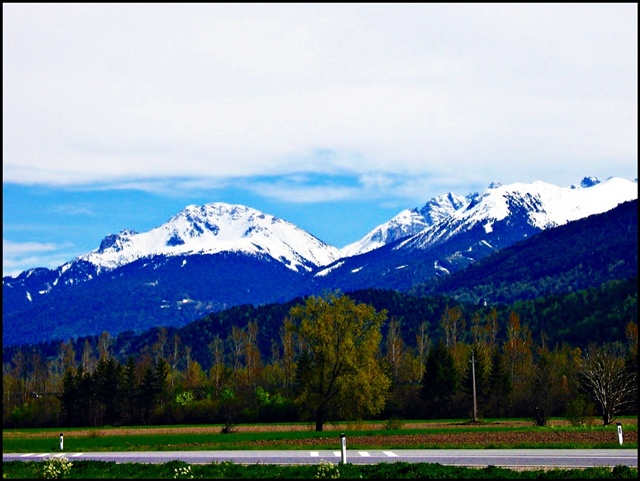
185	281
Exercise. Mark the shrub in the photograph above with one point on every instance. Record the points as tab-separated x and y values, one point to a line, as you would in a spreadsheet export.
327	470
55	467
393	423
183	472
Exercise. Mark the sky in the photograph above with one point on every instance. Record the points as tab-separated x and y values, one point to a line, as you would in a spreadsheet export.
334	117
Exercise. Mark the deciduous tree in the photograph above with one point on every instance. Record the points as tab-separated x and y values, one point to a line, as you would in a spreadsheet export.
606	378
344	377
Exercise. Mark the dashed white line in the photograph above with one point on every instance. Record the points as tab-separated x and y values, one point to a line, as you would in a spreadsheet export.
25	455
364	453
76	455
337	453
315	453
390	453
43	455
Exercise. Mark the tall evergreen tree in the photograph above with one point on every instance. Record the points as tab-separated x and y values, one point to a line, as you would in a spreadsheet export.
440	382
69	398
108	384
147	394
129	387
499	386
541	394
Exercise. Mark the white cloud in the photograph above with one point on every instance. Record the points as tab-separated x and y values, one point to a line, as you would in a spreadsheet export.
20	256
131	94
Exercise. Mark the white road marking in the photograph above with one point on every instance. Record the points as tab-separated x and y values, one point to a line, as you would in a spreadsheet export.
390	453
315	453
337	453
364	453
25	455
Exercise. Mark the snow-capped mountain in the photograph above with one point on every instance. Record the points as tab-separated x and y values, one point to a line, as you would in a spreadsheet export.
536	206
498	217
408	222
211	257
214	228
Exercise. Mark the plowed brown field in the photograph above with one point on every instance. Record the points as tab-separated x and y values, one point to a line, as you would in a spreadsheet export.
453	434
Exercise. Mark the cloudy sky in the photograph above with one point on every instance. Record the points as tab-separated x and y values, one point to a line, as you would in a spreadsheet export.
332	116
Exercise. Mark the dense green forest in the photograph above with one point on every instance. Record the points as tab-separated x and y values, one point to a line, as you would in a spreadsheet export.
530	359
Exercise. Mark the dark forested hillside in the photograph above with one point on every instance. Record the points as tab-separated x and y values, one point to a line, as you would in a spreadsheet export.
582	254
595	315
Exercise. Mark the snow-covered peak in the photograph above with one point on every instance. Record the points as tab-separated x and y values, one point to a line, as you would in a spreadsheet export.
539	204
217	227
549	205
407	223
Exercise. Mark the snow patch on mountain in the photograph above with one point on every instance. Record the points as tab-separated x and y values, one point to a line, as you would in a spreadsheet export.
213	228
407	223
543	205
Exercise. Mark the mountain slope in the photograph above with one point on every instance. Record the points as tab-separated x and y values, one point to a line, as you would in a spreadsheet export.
581	254
209	258
408	222
493	220
203	259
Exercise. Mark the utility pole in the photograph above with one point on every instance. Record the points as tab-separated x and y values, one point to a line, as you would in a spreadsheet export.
473	375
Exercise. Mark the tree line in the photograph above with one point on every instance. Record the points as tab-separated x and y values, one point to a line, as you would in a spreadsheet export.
334	359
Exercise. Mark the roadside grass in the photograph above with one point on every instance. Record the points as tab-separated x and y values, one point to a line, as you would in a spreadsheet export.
229	470
168	438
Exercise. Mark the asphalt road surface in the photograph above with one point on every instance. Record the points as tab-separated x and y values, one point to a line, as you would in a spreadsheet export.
508	458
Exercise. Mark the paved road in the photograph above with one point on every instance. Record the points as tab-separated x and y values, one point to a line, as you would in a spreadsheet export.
509	458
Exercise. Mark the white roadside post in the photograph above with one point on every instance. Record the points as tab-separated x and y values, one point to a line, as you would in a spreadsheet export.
619	433
343	442
61	441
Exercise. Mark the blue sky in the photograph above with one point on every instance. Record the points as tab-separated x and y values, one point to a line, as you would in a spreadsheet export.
332	116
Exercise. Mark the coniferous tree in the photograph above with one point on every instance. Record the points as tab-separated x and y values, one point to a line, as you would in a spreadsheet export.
70	401
108	382
499	386
129	387
440	382
147	394
541	394
161	383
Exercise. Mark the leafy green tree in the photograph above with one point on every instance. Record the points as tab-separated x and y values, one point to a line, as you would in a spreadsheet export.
344	376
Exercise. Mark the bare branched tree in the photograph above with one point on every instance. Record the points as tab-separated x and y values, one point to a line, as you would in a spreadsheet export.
606	378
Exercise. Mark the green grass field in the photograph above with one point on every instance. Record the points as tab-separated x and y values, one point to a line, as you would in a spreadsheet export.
360	436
